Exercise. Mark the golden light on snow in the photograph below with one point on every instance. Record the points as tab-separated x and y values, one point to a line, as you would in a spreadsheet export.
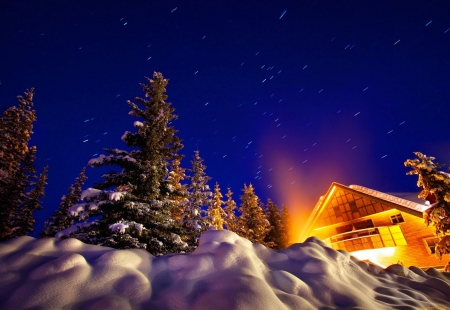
375	255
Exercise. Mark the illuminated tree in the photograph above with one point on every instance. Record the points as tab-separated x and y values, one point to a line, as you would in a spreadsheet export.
216	215
231	220
179	191
61	219
436	183
132	207
274	238
20	187
286	227
253	220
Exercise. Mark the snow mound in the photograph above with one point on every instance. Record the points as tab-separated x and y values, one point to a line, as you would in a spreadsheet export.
224	272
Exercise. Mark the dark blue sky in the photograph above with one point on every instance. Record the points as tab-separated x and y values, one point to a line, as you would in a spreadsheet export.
288	96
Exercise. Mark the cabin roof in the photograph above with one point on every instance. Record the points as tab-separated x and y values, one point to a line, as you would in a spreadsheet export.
394	198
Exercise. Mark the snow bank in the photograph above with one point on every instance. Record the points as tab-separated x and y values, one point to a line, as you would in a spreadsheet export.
225	272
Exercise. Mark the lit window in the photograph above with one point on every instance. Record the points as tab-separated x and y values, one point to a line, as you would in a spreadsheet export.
430	244
392	236
398	218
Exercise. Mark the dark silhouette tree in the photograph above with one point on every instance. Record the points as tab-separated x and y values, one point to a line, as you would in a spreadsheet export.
20	187
61	219
274	238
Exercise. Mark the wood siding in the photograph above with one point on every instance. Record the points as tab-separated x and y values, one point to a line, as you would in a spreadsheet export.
415	253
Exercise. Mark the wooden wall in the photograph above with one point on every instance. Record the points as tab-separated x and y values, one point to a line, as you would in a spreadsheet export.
414	253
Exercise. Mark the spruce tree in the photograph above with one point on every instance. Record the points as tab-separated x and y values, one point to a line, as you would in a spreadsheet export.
193	217
216	215
20	187
231	220
437	183
61	219
286	221
254	223
132	207
179	191
274	238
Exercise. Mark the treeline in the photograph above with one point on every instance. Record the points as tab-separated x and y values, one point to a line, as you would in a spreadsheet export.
149	201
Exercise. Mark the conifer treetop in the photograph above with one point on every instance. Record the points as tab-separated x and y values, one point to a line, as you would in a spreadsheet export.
20	187
134	206
437	183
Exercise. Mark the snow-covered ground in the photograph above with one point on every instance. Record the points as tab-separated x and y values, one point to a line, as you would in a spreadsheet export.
225	272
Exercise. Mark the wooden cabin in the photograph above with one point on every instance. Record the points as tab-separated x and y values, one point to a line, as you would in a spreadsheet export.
376	227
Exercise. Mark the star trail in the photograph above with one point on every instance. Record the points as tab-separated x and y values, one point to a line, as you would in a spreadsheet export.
288	96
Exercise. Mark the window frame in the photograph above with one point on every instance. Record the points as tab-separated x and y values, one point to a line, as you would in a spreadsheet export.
430	250
397	218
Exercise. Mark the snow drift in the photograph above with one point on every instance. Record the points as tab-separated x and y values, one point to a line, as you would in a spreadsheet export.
224	272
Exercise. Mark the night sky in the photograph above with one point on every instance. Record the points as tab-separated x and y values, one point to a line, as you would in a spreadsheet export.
288	95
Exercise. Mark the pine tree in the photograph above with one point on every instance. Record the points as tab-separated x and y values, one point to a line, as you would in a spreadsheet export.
286	221
254	223
61	219
179	191
24	219
20	187
274	238
216	215
437	183
231	220
133	208
194	214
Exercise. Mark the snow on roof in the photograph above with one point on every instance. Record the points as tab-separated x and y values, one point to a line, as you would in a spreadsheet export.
224	272
397	200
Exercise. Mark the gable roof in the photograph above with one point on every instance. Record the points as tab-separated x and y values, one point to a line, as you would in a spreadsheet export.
398	203
391	198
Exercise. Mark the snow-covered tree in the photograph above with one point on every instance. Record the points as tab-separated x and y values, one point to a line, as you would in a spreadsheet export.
286	221
193	217
61	219
436	183
231	220
253	219
216	215
274	238
132	207
20	187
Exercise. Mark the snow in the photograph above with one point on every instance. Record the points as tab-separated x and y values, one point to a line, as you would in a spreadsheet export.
130	159
224	272
115	196
75	209
137	124
69	230
121	226
97	160
125	134
81	207
402	202
90	193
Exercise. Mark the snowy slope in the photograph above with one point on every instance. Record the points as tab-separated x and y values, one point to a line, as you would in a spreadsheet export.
225	272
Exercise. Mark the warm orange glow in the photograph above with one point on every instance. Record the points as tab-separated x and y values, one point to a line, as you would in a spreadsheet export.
377	256
291	196
296	186
320	205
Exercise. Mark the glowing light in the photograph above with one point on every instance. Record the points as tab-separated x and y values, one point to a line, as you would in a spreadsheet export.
376	256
